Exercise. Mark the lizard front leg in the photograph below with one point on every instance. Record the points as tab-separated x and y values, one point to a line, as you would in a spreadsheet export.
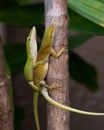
56	55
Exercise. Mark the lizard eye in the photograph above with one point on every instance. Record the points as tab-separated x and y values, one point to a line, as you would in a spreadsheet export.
28	39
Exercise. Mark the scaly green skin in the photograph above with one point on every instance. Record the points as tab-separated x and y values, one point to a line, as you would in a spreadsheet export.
53	102
36	67
31	48
39	72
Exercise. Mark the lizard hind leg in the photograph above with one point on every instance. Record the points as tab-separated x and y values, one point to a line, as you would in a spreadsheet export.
33	86
43	84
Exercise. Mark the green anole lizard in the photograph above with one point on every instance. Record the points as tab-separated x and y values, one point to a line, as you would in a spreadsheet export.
36	68
31	49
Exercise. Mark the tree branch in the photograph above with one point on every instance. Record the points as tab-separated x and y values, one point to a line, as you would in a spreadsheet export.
6	121
56	12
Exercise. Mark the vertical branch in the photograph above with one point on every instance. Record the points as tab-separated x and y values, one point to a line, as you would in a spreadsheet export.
6	119
56	12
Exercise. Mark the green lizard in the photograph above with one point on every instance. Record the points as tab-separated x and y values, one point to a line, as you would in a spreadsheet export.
36	68
31	49
42	61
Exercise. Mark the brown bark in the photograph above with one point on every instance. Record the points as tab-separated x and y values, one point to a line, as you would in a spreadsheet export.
56	11
6	119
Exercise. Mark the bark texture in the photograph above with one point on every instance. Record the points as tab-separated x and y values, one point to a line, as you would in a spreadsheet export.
6	119
56	11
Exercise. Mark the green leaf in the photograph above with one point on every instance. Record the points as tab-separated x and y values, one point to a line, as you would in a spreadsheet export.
83	72
78	39
34	14
22	15
40	30
15	56
5	3
79	23
90	9
25	2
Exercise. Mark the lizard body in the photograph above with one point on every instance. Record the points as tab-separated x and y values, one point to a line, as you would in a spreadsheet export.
36	68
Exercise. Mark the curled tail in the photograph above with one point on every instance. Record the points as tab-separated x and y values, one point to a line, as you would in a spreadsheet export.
35	105
44	92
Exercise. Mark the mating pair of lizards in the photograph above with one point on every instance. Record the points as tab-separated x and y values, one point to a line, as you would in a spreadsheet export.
36	68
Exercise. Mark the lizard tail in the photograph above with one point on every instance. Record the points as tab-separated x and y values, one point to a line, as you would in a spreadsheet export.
44	92
35	105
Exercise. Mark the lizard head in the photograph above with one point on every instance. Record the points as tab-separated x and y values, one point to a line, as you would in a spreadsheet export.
32	44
